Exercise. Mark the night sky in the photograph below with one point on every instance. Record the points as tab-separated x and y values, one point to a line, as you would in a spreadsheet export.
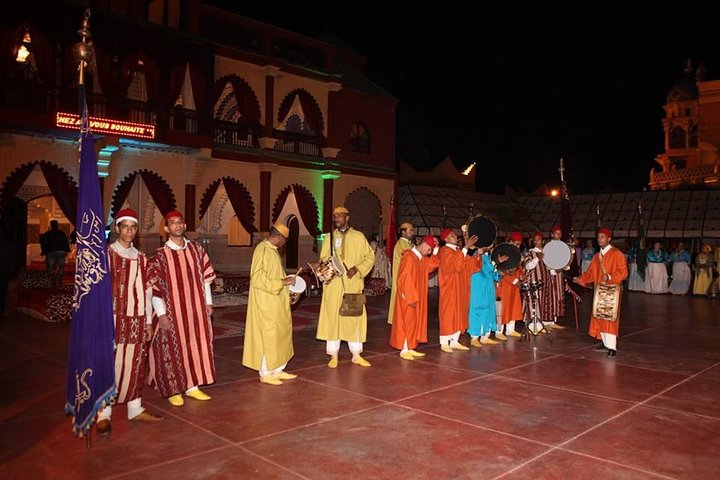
515	87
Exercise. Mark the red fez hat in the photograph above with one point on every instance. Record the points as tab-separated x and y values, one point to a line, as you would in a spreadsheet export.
606	231
556	228
444	233
172	214
430	240
126	214
538	234
516	237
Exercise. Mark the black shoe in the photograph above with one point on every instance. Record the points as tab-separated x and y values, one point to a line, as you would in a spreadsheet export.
601	348
611	352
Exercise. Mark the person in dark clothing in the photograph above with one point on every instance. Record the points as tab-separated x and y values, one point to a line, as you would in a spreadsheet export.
55	247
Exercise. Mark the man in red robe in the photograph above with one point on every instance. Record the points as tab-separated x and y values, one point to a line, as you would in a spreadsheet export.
454	283
609	266
509	293
181	354
132	316
409	325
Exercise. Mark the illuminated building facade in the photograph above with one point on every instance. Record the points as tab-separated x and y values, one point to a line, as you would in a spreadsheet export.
234	122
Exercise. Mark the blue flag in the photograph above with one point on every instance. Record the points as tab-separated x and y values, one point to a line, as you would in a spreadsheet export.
91	374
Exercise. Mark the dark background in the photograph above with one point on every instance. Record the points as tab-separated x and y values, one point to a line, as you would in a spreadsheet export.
517	86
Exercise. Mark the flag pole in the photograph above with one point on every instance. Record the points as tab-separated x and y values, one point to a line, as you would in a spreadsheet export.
83	52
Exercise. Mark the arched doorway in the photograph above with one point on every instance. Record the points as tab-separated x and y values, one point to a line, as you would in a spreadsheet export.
365	211
32	182
152	198
291	246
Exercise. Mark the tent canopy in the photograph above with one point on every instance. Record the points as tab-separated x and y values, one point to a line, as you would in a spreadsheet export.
666	214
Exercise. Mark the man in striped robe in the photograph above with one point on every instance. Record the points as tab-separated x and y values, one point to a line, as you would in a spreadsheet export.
132	315
181	354
556	287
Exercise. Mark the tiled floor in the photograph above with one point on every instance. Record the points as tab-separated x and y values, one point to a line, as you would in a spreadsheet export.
518	410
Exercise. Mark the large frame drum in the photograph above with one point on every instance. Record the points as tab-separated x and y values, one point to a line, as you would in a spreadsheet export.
485	230
509	250
557	255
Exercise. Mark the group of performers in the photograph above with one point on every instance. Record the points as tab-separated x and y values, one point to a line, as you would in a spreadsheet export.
477	299
162	304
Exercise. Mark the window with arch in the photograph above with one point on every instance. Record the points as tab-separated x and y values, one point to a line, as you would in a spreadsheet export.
359	138
677	137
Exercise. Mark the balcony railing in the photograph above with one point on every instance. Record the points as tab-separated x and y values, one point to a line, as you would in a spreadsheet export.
683	175
229	133
183	121
296	143
174	120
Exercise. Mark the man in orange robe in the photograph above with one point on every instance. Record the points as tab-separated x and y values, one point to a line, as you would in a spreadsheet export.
509	293
609	266
454	283
409	325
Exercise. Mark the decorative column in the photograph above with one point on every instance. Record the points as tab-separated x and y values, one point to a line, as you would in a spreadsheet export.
265	183
190	206
266	140
329	177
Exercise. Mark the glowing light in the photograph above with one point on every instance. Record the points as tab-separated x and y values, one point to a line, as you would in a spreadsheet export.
467	171
105	125
22	54
554	192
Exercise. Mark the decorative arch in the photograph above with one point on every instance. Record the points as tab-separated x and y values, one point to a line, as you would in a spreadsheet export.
365	211
307	205
239	197
62	185
311	109
240	103
159	189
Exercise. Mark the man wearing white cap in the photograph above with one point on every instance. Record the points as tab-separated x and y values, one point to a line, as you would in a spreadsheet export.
268	326
351	248
404	243
132	316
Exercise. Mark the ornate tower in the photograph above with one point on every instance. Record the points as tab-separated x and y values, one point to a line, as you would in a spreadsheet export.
682	163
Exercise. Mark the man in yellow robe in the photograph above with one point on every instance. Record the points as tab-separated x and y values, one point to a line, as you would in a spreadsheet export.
353	250
404	243
268	328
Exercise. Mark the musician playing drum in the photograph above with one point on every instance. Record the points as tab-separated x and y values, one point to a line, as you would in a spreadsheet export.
454	283
537	272
268	343
508	291
609	266
353	250
556	285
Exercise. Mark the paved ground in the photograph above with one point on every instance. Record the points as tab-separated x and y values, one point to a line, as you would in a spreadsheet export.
519	410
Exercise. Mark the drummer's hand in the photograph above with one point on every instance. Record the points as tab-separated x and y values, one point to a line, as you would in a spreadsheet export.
351	272
481	250
576	280
289	280
470	242
502	258
607	277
